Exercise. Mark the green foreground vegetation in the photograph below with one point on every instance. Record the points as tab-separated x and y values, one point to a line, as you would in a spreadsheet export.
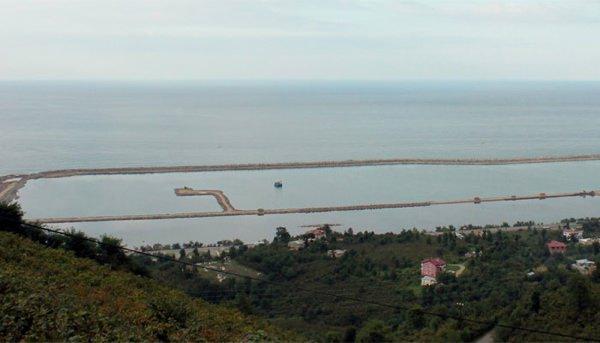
493	286
52	295
506	278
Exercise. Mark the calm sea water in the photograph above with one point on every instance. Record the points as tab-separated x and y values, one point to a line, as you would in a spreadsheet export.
54	125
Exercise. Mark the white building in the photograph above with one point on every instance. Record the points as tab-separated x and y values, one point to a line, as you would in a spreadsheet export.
337	253
296	245
428	281
584	266
589	241
572	233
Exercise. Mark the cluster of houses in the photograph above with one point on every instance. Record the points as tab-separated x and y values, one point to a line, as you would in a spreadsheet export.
576	234
571	234
311	236
431	268
584	266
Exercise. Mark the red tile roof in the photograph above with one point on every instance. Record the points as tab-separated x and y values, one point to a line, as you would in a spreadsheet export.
438	262
317	232
556	244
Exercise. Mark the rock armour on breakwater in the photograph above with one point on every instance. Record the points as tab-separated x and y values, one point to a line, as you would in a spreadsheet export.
221	198
307	165
261	212
8	191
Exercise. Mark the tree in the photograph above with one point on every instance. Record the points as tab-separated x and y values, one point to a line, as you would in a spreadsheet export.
535	301
415	315
243	303
333	336
580	291
281	235
11	216
78	243
373	331
349	335
109	251
595	277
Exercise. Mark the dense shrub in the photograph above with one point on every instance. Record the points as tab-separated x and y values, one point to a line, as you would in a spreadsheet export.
51	295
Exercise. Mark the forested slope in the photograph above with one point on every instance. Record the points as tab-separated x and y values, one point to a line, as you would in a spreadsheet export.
49	294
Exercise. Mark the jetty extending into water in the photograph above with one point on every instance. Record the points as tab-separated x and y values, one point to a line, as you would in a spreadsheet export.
231	211
221	198
10	184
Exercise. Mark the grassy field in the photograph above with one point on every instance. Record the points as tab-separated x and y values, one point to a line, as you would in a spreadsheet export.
230	266
456	269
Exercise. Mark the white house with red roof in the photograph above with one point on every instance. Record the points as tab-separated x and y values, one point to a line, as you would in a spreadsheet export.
430	269
556	247
318	233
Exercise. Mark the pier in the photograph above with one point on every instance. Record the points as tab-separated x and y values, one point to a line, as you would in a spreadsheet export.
221	198
231	211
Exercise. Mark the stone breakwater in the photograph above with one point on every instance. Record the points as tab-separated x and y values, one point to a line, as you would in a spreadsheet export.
307	165
221	198
9	189
10	184
261	212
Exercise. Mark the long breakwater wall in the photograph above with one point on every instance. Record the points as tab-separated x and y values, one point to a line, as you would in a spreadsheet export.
308	165
306	210
10	184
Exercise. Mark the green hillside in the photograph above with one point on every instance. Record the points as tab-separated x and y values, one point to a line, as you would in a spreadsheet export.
49	294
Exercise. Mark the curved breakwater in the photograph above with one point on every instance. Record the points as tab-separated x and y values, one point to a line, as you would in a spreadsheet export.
307	165
10	184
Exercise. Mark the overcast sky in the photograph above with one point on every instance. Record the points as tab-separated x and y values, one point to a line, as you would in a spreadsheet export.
320	39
